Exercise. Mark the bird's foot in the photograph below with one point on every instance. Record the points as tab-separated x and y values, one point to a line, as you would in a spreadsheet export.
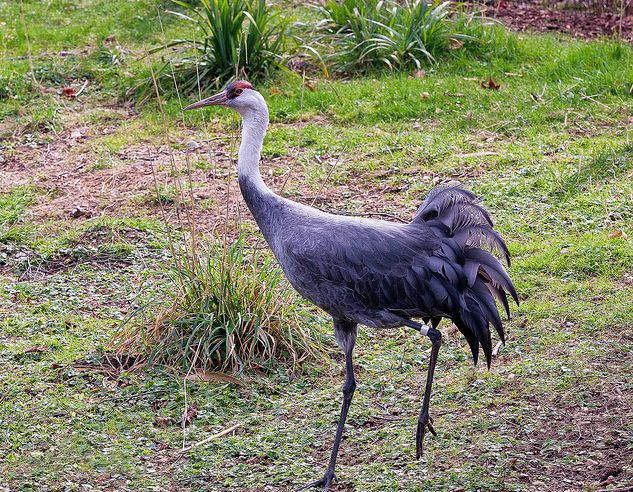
424	422
324	482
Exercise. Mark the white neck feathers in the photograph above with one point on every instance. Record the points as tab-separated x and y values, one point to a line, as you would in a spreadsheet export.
254	124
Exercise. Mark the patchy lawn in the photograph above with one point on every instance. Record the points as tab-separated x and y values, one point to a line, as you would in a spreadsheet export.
83	243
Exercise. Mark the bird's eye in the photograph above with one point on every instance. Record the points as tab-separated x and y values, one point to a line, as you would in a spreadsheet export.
238	91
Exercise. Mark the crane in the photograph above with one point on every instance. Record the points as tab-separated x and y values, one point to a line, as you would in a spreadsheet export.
378	273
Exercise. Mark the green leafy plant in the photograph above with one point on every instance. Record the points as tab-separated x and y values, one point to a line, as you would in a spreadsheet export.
225	310
232	38
367	34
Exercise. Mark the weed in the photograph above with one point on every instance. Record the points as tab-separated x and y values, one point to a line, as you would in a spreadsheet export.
242	37
13	204
161	196
226	310
399	35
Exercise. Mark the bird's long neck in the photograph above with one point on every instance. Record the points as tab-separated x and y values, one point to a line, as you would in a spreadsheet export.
253	130
259	198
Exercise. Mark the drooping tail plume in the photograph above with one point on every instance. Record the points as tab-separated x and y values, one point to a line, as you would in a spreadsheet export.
467	235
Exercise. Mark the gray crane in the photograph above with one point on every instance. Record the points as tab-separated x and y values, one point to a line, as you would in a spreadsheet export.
378	273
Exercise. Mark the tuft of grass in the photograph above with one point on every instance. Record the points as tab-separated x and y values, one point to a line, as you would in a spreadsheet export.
232	38
13	204
224	310
606	164
371	33
162	195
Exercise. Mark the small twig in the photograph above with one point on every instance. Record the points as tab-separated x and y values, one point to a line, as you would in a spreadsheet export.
85	84
127	398
28	46
447	412
495	350
366	214
210	438
328	177
591	98
303	83
622	12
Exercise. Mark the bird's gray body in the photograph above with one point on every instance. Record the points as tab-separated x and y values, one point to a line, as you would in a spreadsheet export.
348	266
378	273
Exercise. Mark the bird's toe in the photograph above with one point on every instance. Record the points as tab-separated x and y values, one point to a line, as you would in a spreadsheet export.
424	422
325	482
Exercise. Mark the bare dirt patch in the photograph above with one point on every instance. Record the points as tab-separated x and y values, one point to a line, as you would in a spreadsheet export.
580	443
75	189
575	18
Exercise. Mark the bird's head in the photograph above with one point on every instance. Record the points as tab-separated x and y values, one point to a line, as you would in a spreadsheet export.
238	95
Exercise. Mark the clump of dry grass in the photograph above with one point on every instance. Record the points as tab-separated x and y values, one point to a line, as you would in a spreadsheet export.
226	310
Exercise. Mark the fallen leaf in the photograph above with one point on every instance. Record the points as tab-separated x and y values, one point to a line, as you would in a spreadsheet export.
455	43
512	74
69	91
495	351
37	349
273	91
310	86
438	110
103	478
476	154
454	94
161	421
473	79
420	74
424	95
490	85
618	233
607	481
189	414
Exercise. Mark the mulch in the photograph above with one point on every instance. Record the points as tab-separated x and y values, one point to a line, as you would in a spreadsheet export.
581	20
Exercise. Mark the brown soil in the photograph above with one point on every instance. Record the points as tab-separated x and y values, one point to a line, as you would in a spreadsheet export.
575	18
582	443
75	189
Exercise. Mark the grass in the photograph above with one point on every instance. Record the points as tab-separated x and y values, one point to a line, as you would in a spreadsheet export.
361	34
224	308
550	153
13	205
243	37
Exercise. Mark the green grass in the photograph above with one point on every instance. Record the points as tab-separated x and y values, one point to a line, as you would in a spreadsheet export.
550	153
223	308
13	204
357	35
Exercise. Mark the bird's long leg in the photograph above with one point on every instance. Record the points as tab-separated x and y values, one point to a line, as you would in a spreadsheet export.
424	420
346	337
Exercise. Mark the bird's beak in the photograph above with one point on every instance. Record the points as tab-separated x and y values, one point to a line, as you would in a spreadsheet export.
217	100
